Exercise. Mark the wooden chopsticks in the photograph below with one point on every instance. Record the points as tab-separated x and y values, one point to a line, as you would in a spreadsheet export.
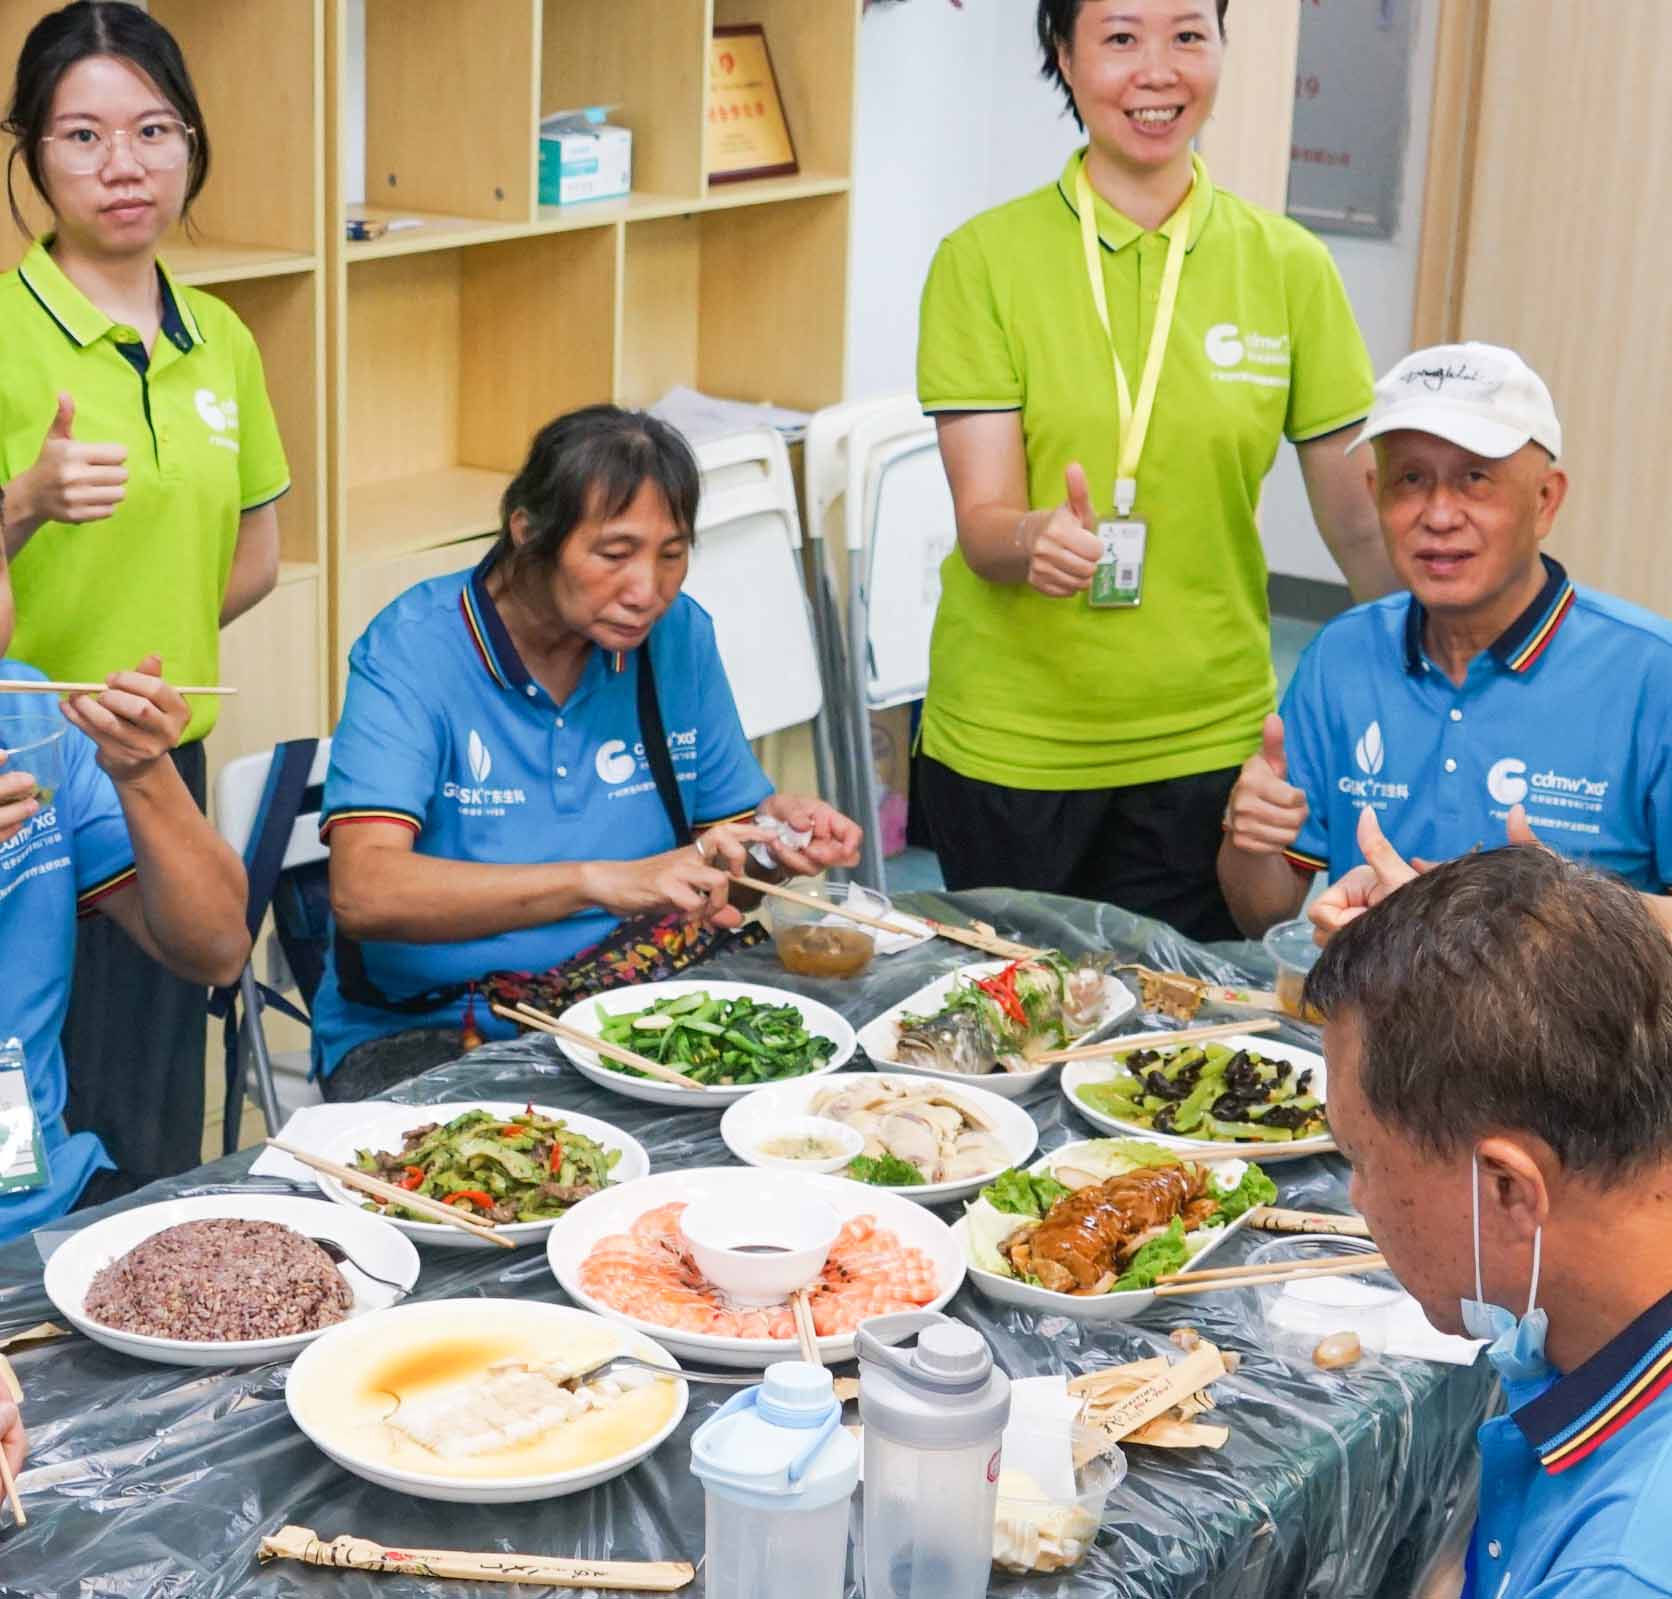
1179	1035
804	1330
1207	1279
539	1021
350	1177
23	686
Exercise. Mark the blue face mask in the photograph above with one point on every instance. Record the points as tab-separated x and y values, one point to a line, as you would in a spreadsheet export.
1515	1348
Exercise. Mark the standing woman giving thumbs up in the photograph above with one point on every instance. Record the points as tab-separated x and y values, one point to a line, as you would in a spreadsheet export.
140	461
1113	361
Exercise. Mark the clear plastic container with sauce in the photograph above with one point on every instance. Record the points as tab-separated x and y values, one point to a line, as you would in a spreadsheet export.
1294	953
817	943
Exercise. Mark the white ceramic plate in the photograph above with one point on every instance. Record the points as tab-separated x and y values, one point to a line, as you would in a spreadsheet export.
818	1018
880	1037
755	1118
1077	1073
572	1239
386	1125
1088	1307
316	1379
371	1241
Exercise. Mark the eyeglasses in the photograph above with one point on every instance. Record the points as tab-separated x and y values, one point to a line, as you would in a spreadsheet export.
158	145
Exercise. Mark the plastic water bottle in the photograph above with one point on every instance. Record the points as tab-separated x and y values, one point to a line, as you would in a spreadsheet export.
778	1471
934	1418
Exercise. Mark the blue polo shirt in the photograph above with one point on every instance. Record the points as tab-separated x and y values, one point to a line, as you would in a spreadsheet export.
1569	713
444	731
1576	1482
70	854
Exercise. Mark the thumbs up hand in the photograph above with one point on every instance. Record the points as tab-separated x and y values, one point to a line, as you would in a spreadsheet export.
1266	812
1352	894
71	481
1063	546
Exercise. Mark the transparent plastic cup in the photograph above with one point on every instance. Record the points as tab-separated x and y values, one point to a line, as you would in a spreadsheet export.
811	946
34	744
1298	1316
1036	1534
1294	953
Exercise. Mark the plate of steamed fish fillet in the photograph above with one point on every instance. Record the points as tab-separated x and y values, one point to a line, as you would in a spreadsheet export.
926	1140
987	1022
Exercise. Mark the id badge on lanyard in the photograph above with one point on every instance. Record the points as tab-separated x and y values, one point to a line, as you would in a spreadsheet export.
23	1158
1118	582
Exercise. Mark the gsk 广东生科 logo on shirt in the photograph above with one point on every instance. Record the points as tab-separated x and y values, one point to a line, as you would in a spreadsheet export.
1239	355
1370	757
478	797
219	416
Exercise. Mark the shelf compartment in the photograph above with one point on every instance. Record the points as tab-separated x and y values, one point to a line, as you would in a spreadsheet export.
450	107
815	59
210	261
740	302
368	587
646	58
426	511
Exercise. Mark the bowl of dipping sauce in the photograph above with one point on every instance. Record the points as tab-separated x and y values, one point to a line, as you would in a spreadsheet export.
808	1143
1293	952
758	1248
819	943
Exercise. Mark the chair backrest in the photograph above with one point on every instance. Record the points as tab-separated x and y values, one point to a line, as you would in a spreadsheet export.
746	572
301	902
901	526
825	456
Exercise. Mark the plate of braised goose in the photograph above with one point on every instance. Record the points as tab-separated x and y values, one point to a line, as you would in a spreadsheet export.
1089	1229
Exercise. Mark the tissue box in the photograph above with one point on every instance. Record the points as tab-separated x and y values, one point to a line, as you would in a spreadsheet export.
583	156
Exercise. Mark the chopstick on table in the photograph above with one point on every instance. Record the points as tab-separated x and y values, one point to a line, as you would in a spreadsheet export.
1178	1035
539	1021
1270	1277
24	686
390	1194
804	1329
1370	1259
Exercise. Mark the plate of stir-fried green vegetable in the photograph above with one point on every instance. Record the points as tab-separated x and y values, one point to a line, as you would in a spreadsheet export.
1252	1094
731	1037
519	1167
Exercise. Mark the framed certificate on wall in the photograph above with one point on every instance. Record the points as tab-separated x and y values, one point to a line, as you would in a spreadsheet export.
747	134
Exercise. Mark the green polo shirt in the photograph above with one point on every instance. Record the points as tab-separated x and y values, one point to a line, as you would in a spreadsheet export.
203	448
1040	693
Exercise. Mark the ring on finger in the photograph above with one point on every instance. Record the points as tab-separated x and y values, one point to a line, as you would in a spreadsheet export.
702	854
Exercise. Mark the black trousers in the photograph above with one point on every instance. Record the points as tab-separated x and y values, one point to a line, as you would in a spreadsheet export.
1150	848
380	1063
134	1042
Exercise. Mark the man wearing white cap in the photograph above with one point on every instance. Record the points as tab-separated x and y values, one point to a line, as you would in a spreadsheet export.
1493	695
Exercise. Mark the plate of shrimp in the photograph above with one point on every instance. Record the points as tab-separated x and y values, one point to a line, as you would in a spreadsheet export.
623	1255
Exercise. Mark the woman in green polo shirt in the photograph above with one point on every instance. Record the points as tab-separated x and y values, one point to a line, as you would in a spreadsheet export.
1110	395
140	460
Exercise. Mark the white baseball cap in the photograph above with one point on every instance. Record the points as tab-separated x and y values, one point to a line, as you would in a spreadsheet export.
1479	396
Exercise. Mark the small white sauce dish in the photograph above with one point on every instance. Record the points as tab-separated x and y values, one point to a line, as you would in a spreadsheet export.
758	1248
769	1149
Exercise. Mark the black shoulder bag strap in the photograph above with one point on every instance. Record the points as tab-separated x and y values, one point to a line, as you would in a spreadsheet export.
352	977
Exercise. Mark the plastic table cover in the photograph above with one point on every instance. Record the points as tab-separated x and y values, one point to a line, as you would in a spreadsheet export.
162	1480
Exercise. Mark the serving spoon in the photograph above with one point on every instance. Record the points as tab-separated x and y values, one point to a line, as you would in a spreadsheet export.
339	1256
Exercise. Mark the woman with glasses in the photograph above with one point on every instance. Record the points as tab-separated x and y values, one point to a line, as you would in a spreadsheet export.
140	461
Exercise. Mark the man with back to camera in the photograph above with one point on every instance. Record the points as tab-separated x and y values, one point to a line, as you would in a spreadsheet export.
1499	1039
1495	699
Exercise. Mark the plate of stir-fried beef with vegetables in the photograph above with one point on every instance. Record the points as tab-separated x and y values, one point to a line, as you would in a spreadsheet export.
1090	1228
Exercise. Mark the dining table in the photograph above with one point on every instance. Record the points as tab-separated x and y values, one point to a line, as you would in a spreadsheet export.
146	1479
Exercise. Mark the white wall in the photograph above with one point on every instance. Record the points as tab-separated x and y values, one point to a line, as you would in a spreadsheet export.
953	117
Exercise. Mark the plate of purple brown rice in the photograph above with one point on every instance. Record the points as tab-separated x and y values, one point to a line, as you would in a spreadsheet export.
225	1280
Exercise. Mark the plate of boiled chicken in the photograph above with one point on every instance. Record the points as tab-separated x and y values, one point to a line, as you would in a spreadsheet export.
930	1141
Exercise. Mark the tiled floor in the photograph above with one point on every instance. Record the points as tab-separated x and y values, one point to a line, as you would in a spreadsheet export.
917	869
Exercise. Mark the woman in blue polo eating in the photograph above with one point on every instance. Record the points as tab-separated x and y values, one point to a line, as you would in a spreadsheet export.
499	796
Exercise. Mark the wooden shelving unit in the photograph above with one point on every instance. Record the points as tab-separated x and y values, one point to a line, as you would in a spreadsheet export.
455	339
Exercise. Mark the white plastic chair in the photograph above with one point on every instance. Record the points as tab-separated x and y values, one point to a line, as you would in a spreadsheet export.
899	525
238	792
746	572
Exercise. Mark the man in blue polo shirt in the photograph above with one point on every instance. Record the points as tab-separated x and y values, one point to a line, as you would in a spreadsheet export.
117	833
1495	682
1499	1038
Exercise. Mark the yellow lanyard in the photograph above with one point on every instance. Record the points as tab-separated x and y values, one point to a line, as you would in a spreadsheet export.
1134	422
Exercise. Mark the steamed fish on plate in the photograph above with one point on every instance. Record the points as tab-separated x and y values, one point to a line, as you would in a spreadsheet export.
912	1135
1004	1022
1124	1214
